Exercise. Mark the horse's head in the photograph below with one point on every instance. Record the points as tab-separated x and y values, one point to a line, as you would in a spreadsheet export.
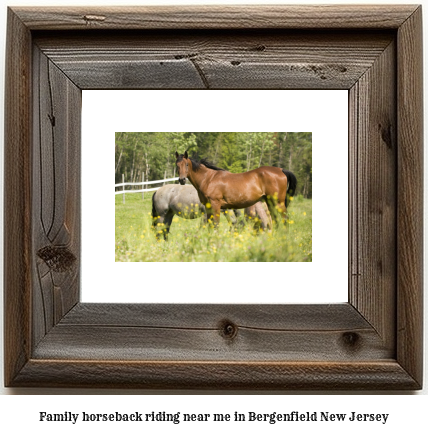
182	162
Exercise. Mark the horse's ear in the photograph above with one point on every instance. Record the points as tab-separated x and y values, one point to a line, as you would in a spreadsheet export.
186	155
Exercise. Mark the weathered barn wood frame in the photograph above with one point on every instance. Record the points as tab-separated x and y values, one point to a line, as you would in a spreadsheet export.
372	342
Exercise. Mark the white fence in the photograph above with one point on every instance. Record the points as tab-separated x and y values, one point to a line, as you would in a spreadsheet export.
143	190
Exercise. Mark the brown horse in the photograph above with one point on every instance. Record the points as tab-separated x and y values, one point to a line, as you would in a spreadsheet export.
219	189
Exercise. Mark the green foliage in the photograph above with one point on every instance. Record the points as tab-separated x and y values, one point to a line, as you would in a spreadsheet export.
149	154
188	241
152	154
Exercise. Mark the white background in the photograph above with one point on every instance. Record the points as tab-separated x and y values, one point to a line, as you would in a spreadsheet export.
408	413
324	113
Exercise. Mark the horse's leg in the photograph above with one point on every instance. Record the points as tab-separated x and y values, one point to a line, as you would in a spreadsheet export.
250	212
277	209
263	216
267	217
161	224
208	215
157	218
161	215
251	216
282	206
167	221
215	210
271	207
156	223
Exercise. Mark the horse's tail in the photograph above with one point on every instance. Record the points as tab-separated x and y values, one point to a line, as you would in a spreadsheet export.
154	213
291	185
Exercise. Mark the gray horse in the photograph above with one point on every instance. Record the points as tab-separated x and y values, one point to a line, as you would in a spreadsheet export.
183	201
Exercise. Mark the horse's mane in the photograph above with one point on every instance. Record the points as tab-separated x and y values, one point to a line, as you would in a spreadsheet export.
206	164
196	164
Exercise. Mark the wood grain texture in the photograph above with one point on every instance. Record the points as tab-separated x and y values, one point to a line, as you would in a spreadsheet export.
217	17
216	59
198	332
372	342
55	194
373	177
17	198
209	316
410	193
386	375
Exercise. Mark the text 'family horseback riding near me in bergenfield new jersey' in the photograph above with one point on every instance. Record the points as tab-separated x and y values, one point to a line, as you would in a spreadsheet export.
181	417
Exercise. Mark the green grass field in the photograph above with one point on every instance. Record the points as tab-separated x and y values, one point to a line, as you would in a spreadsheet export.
191	242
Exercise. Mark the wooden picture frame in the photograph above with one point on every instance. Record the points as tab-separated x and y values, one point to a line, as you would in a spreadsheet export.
372	342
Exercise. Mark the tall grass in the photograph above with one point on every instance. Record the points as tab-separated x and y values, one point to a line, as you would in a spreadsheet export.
190	240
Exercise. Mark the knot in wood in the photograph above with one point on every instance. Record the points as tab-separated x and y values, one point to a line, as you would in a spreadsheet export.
228	329
58	259
351	340
386	134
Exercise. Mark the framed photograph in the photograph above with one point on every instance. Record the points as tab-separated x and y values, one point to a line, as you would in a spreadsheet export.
371	341
239	251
